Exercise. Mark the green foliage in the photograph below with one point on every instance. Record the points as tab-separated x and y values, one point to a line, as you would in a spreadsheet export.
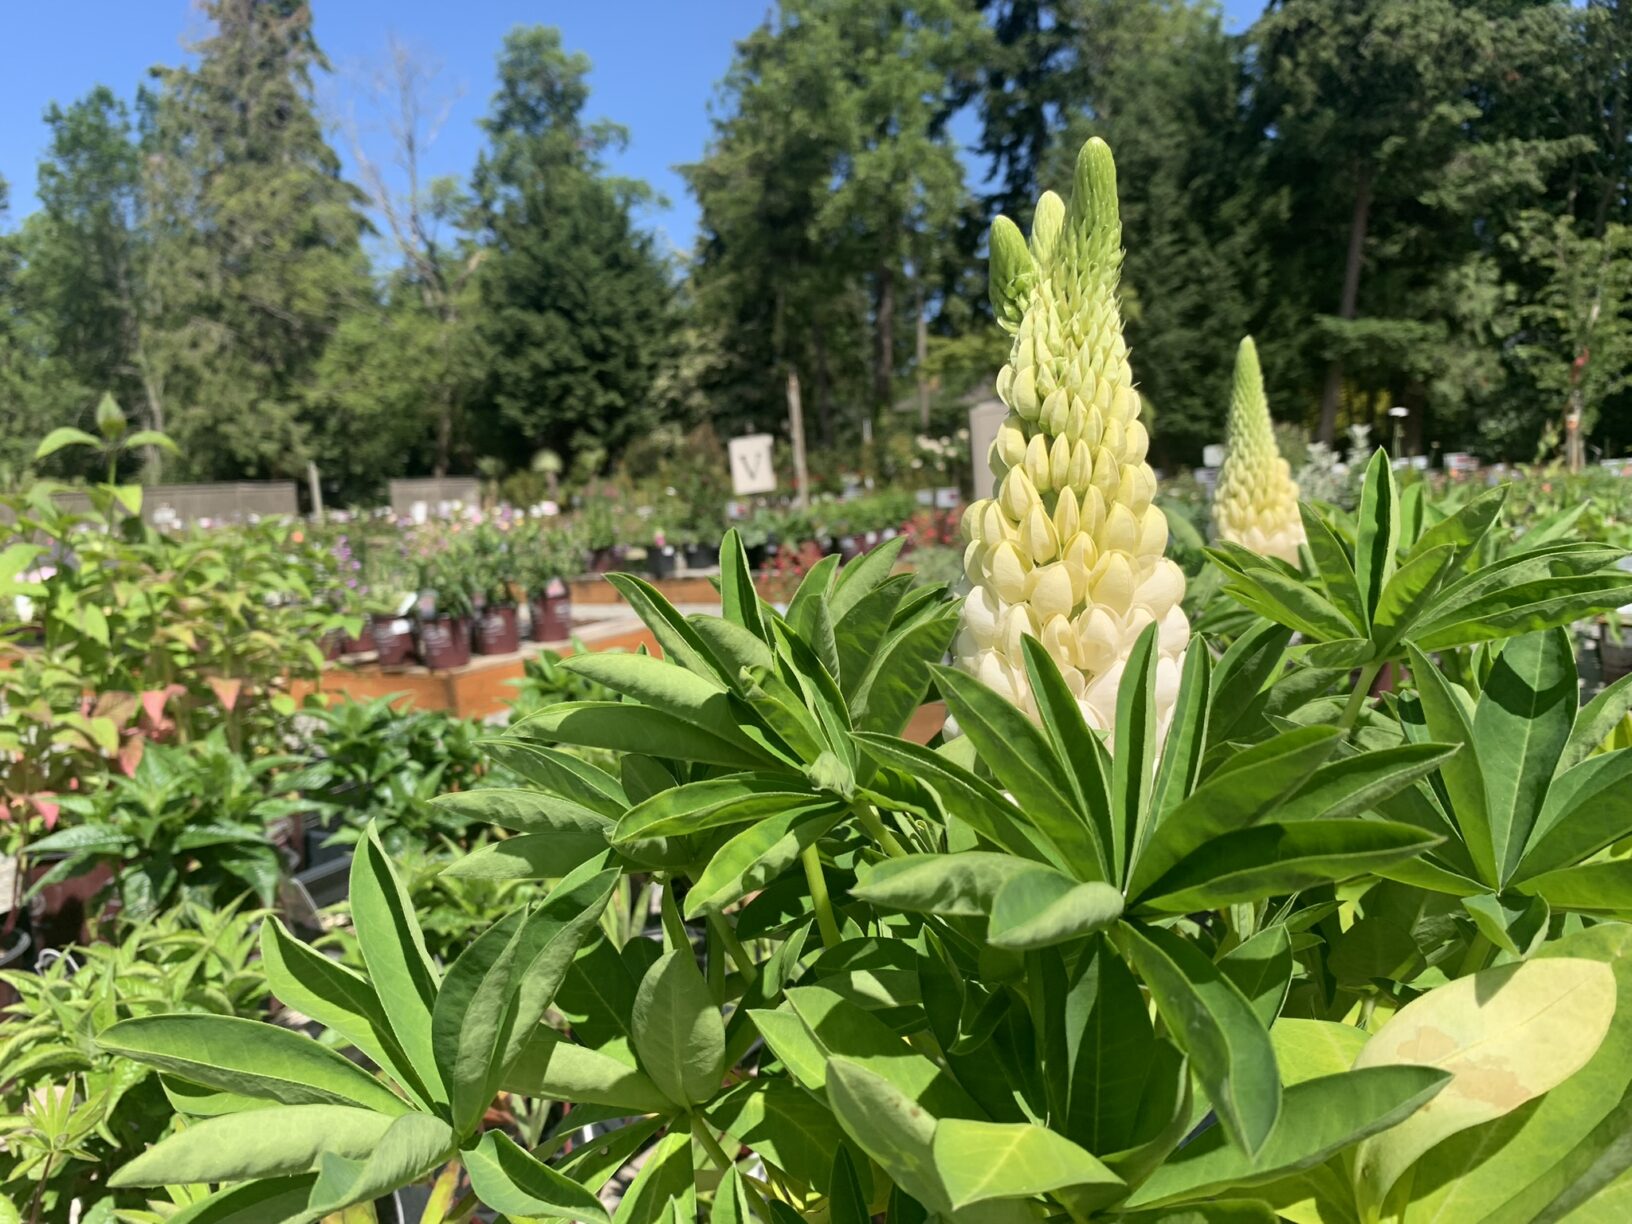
70	1110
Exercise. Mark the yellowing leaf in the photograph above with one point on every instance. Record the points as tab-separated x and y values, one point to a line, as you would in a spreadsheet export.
1507	1035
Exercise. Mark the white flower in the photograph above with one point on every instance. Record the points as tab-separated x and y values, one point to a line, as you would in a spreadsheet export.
1256	502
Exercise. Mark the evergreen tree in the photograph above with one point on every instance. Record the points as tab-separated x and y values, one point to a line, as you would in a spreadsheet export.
574	301
256	252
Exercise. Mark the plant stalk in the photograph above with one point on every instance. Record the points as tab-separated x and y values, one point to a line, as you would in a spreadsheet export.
818	896
719	1156
878	831
1357	699
734	949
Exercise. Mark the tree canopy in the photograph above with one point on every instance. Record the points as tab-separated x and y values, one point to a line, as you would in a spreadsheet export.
1417	202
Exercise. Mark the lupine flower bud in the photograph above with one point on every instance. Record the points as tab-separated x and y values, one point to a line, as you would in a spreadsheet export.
1069	549
1256	502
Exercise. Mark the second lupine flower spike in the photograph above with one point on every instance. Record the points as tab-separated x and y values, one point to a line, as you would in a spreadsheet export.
1070	548
1256	502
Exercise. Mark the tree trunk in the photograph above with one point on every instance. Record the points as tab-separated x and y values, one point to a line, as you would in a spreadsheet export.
824	384
883	337
1350	299
921	358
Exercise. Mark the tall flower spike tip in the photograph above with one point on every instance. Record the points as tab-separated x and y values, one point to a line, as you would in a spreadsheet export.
1069	549
1256	502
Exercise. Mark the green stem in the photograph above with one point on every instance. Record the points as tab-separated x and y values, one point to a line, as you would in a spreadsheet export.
734	949
718	1155
674	928
1475	957
715	964
1357	699
876	829
818	896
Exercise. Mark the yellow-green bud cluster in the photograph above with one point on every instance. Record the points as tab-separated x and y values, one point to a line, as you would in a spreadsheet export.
1070	549
1256	502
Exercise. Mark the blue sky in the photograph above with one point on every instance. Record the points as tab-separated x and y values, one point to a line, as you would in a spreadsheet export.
656	63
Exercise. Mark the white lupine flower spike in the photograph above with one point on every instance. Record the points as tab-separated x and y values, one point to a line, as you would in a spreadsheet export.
1069	549
1256	502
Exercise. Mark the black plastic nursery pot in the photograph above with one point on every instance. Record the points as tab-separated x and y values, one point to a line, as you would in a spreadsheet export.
497	631
702	556
552	615
393	640
444	642
1615	658
660	562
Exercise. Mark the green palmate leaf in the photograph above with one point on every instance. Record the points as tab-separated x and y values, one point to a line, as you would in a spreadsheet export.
710	804
335	997
552	1067
735	647
1463	530
469	1023
814	588
1026	764
1555	1155
840	1029
151	437
678	1032
898	674
1275	859
679	641
980	1161
1525	608
1319	1117
525	811
1333	565
547	944
863	630
510	1181
1042	907
1240	677
1596	720
1355	784
393	948
1463	775
701	701
1085	764
1311	1049
891	1127
1214	1023
757	855
561	774
783	1124
665	1181
972	800
411	1147
1408	594
1588	808
531	856
1261	968
62	436
1238	794
1511	926
1132	768
739	602
1291	603
782	709
622	727
1591	888
1378	534
1506	1035
863	575
1219	1211
278	1142
1520	726
956	885
1179	769
846	1203
251	1059
268	1201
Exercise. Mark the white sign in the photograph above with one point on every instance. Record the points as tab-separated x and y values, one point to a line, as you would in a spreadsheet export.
752	470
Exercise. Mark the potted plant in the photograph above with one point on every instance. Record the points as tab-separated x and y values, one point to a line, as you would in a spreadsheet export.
545	559
392	591
493	566
447	605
